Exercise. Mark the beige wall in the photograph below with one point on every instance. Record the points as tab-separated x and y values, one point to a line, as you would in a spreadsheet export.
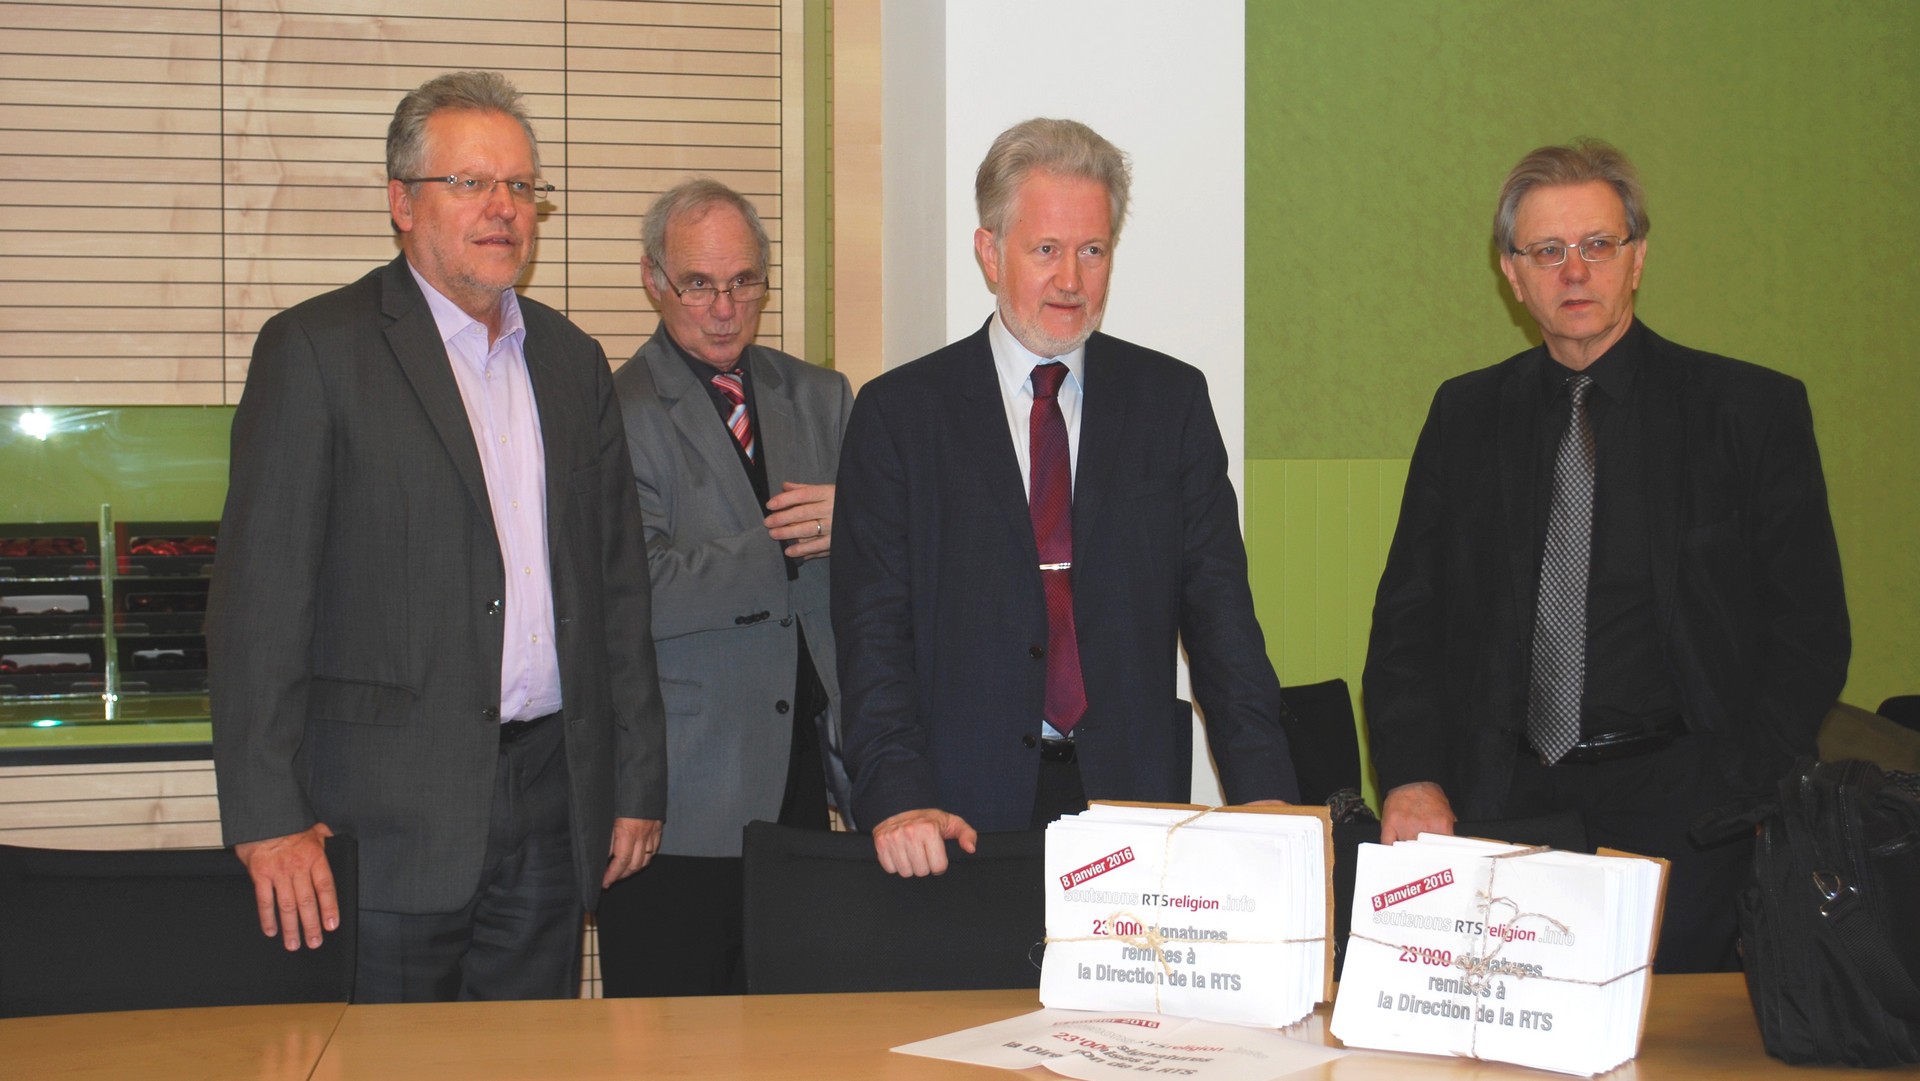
182	169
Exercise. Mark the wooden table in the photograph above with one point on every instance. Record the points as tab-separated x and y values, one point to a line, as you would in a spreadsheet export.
1700	1028
267	1043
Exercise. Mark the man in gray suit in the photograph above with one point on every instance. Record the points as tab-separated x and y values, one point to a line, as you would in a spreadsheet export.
429	620
734	447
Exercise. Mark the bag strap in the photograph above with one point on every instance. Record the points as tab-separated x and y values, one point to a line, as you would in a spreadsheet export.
1844	909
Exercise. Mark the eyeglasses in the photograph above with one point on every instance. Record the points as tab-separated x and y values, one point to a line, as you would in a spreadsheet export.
1594	249
701	296
467	188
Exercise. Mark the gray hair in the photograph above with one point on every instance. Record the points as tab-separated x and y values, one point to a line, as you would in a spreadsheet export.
477	91
1584	161
1061	147
694	196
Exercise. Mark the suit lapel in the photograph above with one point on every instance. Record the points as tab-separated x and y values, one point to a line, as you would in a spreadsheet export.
981	437
1518	457
694	417
773	408
1102	427
415	340
549	404
1663	440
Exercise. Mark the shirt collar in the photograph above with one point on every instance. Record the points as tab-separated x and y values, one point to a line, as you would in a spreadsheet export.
1612	372
453	321
1014	363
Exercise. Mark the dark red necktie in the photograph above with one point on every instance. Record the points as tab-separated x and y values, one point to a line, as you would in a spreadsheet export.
1050	502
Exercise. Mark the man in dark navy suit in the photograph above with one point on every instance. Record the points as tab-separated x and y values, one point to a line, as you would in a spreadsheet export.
1030	522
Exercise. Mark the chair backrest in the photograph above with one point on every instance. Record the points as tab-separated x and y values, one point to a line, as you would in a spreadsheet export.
1323	739
1903	710
86	931
822	916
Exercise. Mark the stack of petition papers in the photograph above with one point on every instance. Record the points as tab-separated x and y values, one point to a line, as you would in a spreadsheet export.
1500	952
1221	915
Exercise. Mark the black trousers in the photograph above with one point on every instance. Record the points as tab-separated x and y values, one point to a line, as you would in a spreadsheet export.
1645	805
519	937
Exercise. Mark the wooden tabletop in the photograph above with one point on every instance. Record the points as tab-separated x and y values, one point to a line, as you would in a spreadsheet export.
1700	1028
267	1043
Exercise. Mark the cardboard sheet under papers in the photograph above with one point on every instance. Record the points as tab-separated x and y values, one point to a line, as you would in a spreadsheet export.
1215	914
1500	952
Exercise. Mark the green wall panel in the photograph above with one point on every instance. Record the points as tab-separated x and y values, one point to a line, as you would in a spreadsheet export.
1779	141
1317	534
153	463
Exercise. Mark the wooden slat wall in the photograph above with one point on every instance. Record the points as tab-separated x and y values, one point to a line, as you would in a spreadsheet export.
130	805
186	168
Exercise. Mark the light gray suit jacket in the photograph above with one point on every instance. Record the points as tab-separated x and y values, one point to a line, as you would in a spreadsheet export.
723	610
355	627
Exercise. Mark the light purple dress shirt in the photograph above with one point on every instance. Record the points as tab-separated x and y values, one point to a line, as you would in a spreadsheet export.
498	394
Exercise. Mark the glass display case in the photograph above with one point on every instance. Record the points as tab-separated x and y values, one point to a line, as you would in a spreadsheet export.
107	537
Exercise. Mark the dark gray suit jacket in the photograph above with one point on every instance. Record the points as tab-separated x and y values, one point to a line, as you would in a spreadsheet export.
724	612
354	629
942	624
1745	570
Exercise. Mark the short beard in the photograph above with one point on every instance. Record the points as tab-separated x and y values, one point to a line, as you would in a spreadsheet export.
1040	342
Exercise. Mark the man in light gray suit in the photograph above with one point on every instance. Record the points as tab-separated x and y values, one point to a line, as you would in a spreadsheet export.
429	619
734	447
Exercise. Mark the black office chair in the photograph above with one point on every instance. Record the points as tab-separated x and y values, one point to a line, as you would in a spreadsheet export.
1566	831
1323	739
822	916
1903	710
82	932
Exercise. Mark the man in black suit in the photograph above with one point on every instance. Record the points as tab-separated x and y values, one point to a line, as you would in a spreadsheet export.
429	618
1029	522
1614	587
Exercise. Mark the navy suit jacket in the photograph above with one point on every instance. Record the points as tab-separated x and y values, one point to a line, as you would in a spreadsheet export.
940	618
1745	571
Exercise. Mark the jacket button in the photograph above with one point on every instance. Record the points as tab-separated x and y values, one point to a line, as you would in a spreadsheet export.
495	607
1029	741
1037	652
781	706
492	714
787	622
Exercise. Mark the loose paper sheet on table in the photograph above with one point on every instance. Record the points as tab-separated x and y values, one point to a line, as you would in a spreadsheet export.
1100	1045
1500	952
1221	915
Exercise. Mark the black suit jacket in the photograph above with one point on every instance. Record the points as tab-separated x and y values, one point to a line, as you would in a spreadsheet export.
354	628
1746	574
938	610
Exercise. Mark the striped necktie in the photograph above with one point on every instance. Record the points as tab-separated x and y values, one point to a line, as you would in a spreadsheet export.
733	385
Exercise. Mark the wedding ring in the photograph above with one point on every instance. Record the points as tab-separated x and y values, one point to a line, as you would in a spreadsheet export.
819	528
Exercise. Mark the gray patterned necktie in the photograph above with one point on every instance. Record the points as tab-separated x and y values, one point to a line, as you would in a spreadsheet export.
1560	610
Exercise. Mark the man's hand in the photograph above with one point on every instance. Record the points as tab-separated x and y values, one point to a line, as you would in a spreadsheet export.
802	518
293	885
1413	809
635	840
913	844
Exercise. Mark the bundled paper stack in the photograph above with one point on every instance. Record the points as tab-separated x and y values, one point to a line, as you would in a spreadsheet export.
1500	952
1220	915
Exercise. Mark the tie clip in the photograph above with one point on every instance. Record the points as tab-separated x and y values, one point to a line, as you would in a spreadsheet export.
1055	566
